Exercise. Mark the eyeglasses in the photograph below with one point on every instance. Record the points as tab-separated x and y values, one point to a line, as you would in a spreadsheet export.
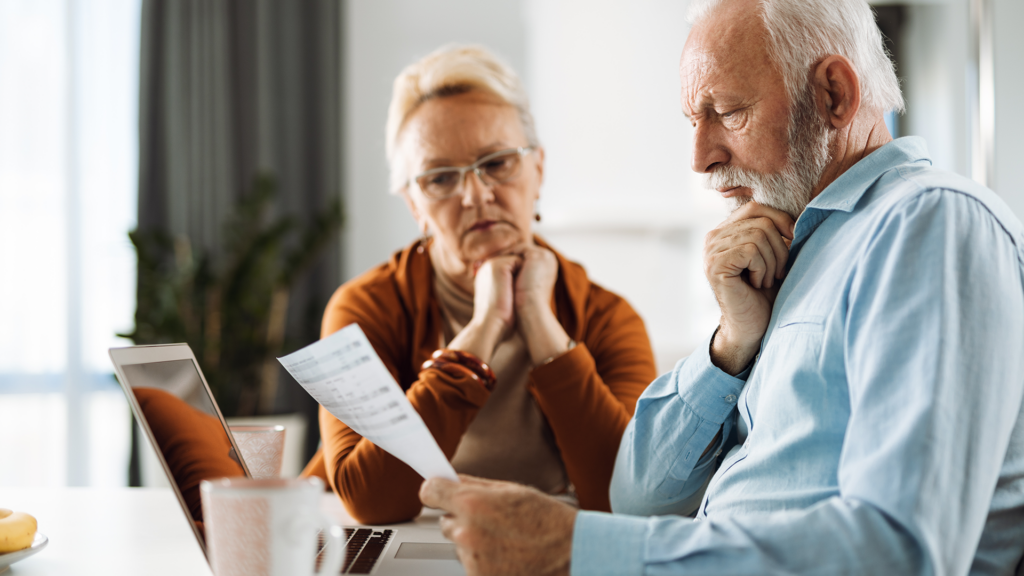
496	168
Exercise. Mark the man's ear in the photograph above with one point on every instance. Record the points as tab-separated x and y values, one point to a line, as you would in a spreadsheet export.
837	89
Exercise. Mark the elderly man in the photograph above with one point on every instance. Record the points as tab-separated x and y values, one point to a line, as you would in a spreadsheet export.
859	408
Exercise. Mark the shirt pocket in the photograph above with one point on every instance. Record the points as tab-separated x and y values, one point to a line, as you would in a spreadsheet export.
790	379
796	324
786	368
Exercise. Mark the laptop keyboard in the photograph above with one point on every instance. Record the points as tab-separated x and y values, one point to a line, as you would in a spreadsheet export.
363	549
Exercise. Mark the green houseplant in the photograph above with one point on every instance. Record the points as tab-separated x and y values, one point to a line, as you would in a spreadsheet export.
232	308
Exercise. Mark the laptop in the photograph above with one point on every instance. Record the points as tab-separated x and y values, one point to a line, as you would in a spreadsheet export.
178	415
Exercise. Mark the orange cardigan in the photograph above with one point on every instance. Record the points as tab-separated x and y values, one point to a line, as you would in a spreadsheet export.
587	395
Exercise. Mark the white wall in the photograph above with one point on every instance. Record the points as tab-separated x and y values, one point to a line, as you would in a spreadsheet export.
619	195
1009	79
940	86
936	72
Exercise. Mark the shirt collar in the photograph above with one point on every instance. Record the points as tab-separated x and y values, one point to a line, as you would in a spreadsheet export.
846	191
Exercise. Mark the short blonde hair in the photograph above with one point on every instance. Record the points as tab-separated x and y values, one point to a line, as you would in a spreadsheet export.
450	70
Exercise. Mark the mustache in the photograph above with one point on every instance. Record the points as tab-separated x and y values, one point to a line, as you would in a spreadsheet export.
731	177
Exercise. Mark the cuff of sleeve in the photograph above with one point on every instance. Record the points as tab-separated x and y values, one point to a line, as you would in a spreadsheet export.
566	368
705	388
608	544
470	390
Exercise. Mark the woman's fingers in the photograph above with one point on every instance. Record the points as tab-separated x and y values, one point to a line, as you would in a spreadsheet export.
494	291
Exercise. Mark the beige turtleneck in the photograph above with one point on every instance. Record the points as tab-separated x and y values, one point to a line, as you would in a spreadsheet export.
510	438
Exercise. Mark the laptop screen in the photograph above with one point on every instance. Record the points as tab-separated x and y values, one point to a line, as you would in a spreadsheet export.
177	412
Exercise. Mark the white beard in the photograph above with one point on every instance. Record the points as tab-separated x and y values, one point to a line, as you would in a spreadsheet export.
789	190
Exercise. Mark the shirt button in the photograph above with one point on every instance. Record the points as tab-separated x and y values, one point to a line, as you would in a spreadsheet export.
731	398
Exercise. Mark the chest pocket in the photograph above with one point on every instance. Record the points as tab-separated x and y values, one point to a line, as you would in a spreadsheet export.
791	355
800	324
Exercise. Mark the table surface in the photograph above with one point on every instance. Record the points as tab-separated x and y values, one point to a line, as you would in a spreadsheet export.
115	532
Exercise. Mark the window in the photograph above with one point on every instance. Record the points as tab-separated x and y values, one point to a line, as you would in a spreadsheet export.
68	157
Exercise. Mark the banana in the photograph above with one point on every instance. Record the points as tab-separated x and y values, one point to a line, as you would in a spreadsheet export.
17	530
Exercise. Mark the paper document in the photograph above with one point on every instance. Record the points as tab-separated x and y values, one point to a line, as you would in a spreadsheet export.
345	375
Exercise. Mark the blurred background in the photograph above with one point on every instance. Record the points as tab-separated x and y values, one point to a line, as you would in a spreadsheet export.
210	171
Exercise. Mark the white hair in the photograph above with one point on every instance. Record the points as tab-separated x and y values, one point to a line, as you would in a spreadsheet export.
450	70
802	32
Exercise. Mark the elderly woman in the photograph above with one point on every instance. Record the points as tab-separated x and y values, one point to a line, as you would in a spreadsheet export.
521	368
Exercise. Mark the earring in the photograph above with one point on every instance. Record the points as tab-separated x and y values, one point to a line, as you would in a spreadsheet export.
536	216
423	241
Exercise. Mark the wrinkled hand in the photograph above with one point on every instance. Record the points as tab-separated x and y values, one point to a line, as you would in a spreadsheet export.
503	528
745	261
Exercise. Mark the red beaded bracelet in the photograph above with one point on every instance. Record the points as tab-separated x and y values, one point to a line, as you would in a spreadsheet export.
448	360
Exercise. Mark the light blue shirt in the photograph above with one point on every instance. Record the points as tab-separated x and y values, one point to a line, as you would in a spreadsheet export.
879	431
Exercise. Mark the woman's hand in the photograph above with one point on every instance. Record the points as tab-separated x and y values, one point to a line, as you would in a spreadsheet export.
494	313
513	292
535	282
535	319
493	292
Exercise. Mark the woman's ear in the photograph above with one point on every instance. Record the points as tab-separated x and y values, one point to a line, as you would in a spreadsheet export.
837	89
540	168
421	222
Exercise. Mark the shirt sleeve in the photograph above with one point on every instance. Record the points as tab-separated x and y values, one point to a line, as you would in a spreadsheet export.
934	330
662	466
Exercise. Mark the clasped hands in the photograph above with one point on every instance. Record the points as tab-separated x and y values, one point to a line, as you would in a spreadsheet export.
512	291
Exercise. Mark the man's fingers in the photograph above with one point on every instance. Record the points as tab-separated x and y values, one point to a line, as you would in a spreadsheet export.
751	258
732	262
783	222
438	493
759	232
476	480
447	523
762	277
776	243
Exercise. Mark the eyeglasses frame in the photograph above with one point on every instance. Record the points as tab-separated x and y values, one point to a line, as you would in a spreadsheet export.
474	167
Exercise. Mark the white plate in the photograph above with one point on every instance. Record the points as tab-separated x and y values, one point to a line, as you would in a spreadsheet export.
11	557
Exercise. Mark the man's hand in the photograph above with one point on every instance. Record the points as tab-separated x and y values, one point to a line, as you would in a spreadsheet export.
503	528
745	261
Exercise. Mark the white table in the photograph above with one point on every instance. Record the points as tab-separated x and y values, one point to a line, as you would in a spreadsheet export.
108	532
139	531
